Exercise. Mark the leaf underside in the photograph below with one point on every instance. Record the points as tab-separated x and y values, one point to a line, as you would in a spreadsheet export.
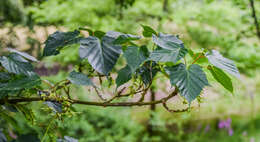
164	55
221	62
25	55
167	41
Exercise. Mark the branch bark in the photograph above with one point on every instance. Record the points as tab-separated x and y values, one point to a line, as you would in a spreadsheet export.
74	101
165	5
252	4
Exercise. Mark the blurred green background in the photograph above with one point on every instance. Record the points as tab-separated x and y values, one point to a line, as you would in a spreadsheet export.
226	25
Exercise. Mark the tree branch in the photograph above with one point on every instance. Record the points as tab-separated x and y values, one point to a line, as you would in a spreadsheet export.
74	101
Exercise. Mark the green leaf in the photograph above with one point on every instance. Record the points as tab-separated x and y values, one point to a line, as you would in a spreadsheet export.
172	49
189	81
124	75
147	72
134	57
191	53
167	41
145	51
121	38
148	31
164	55
79	78
99	34
25	55
221	62
14	63
124	38
102	55
4	76
58	40
9	118
26	82
221	77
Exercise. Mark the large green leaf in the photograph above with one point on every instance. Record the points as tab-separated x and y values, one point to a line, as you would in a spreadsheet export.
58	40
25	55
221	77
221	62
124	75
164	55
167	41
102	55
14	63
25	82
79	78
189	81
134	57
172	49
148	31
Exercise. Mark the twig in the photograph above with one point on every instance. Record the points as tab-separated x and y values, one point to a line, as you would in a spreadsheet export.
197	58
67	92
144	92
99	95
48	83
118	94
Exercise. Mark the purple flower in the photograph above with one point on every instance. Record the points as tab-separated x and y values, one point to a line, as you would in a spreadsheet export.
221	124
226	124
230	132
